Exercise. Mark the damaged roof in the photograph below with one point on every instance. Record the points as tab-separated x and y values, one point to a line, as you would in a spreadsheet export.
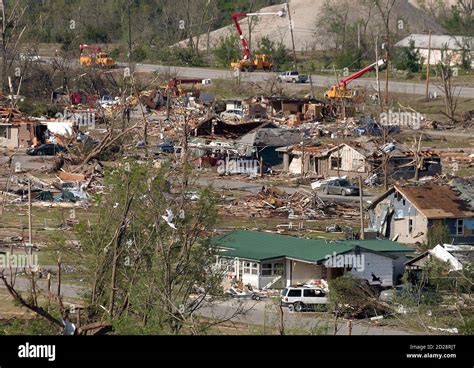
433	201
436	201
270	135
261	246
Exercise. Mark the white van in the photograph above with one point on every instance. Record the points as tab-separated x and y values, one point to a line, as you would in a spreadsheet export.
301	298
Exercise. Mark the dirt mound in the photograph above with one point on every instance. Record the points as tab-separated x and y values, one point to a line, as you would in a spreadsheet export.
305	15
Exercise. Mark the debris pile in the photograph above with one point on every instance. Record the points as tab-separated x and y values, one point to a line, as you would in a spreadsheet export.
273	202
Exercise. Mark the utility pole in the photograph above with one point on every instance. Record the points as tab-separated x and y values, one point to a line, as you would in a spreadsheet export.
361	209
292	36
386	72
377	70
2	48
311	84
30	227
129	35
302	154
358	36
427	93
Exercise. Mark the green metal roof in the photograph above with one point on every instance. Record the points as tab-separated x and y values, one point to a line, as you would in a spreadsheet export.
260	246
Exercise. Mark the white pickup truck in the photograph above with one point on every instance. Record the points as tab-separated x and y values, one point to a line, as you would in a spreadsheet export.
292	77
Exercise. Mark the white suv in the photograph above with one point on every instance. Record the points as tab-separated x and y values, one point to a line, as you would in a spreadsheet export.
301	298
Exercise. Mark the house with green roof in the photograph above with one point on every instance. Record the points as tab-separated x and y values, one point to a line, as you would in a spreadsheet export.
262	258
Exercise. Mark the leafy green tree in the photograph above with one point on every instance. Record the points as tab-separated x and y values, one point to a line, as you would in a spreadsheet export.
408	58
437	235
149	252
279	53
227	50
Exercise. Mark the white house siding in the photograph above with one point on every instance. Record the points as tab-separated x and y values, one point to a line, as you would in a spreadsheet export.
300	272
418	233
295	166
436	56
380	266
351	160
10	139
250	279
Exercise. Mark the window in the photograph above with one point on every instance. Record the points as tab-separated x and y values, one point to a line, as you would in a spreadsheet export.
459	227
410	226
310	293
294	292
3	132
250	268
336	162
272	269
313	293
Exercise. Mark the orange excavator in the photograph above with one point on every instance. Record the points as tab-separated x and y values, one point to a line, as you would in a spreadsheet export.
341	90
96	57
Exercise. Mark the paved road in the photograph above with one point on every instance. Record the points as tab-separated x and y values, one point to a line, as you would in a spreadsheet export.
318	80
265	312
260	313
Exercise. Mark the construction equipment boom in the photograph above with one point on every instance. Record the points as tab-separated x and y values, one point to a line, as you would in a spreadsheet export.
341	90
96	58
246	62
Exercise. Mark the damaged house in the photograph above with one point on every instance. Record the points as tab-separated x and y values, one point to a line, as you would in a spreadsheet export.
410	214
261	259
354	159
16	130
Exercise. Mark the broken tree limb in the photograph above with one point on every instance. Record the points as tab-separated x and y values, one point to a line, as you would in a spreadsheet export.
38	310
103	145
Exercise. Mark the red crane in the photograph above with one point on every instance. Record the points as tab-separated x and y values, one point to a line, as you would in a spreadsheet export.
343	82
245	62
341	91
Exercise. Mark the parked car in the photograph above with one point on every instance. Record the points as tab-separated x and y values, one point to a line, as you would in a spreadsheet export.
107	100
48	149
292	77
166	147
340	186
232	114
374	128
405	292
303	298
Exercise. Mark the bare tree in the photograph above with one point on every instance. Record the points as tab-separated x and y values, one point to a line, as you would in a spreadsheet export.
450	91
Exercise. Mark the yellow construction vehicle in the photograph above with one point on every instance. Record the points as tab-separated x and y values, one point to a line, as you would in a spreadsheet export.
96	58
259	62
247	62
341	90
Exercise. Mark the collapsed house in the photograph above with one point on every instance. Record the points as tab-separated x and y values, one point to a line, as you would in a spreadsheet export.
354	159
411	213
16	130
456	256
261	259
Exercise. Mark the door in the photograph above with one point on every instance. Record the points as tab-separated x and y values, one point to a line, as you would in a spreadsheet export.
314	296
